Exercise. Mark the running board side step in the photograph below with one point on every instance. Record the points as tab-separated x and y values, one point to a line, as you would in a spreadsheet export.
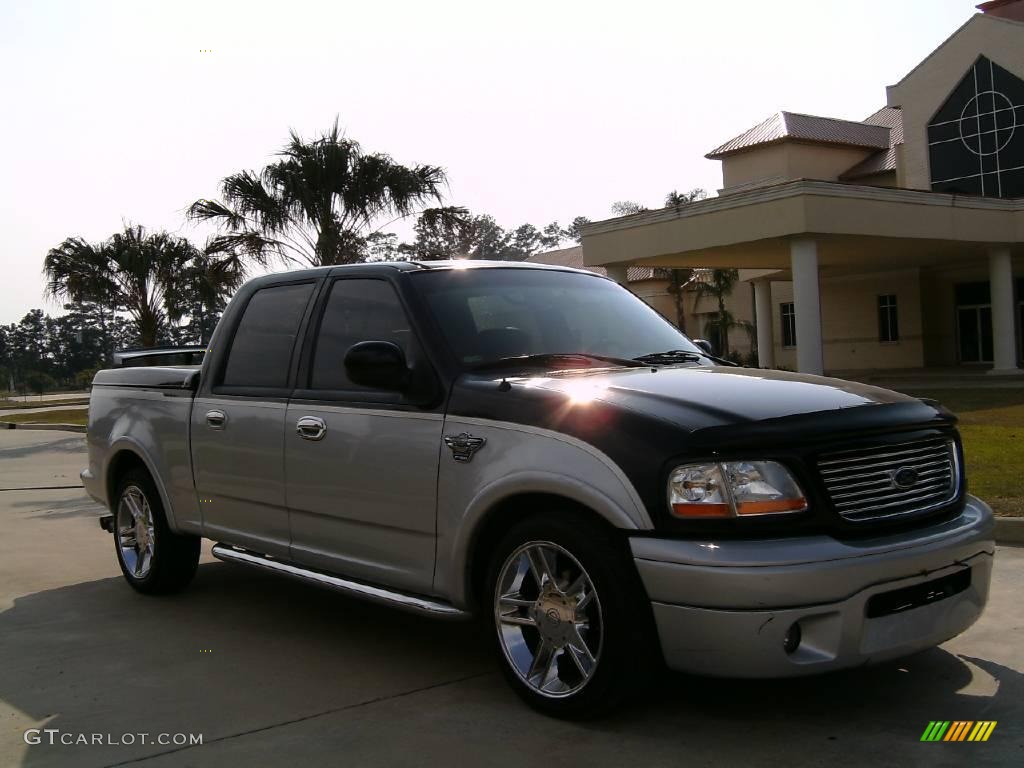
412	603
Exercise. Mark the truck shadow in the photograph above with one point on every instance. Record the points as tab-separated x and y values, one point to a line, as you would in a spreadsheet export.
241	651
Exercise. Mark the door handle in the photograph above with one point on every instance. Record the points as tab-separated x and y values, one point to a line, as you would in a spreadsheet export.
216	419
311	428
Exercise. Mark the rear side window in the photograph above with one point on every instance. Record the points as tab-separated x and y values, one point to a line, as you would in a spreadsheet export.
357	310
261	352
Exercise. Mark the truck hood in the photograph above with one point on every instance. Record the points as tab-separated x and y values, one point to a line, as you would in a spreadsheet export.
691	398
704	396
646	420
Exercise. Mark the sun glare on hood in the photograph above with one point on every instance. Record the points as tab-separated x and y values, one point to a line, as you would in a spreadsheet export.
583	392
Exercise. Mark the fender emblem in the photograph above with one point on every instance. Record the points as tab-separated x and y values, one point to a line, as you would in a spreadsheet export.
464	445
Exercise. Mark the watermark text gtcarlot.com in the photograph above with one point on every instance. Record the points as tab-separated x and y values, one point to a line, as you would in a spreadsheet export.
54	736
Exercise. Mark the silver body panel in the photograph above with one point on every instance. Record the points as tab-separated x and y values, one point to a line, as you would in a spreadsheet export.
239	472
153	425
373	500
519	460
362	498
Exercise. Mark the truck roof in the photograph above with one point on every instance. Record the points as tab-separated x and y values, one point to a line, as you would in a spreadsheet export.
415	266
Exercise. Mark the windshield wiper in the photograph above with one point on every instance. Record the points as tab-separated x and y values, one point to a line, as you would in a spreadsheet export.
668	357
553	357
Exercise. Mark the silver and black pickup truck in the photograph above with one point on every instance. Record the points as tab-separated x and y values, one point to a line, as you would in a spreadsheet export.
537	447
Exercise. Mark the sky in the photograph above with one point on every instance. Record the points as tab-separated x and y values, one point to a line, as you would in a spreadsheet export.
114	112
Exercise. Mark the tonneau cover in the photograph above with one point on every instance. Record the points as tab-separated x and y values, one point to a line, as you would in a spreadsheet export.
161	377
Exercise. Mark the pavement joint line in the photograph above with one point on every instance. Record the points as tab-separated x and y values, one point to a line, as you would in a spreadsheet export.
314	716
43	488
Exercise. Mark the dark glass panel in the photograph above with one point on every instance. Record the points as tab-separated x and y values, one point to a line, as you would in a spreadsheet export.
985	317
972	293
967	327
261	350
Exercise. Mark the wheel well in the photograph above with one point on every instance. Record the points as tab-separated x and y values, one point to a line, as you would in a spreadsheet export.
506	513
123	462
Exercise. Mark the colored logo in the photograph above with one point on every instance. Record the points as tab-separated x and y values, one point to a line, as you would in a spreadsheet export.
958	730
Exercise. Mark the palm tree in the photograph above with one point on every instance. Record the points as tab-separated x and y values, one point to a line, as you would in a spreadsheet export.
133	272
202	291
675	198
680	279
719	283
628	208
319	202
79	272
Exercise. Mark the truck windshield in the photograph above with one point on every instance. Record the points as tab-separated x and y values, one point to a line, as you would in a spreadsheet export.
489	315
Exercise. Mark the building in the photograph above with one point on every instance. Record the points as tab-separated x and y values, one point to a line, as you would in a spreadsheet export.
892	242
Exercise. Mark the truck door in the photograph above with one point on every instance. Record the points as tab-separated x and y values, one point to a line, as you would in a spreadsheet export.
238	423
361	464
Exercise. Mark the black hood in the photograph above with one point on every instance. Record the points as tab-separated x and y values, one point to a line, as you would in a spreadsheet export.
688	398
694	397
648	420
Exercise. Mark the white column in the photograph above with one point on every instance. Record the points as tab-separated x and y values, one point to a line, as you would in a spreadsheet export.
617	272
763	320
1004	337
803	255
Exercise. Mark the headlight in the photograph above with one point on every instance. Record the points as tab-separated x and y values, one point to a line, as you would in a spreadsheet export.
733	489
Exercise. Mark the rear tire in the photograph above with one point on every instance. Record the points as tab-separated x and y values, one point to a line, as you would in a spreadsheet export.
568	616
154	559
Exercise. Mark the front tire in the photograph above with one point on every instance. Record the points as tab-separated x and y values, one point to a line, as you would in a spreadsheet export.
153	558
570	619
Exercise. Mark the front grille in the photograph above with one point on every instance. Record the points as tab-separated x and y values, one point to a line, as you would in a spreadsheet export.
885	481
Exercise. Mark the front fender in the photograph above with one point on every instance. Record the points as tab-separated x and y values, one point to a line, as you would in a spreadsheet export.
517	460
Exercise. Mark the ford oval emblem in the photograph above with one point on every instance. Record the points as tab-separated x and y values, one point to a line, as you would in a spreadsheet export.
904	477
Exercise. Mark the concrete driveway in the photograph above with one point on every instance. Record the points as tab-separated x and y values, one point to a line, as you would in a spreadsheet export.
272	672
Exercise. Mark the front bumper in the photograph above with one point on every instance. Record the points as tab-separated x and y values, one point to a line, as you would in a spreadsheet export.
725	608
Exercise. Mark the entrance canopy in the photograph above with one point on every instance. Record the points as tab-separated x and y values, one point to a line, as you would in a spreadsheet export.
854	226
802	227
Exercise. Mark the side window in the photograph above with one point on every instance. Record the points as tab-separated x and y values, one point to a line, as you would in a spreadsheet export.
261	352
357	310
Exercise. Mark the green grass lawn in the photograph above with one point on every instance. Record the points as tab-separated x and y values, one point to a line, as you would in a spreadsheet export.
17	404
992	425
55	416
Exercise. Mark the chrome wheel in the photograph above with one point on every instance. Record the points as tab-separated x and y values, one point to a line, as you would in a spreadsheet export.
549	619
135	532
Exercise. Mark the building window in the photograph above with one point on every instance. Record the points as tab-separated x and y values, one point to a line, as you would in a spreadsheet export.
888	319
788	324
